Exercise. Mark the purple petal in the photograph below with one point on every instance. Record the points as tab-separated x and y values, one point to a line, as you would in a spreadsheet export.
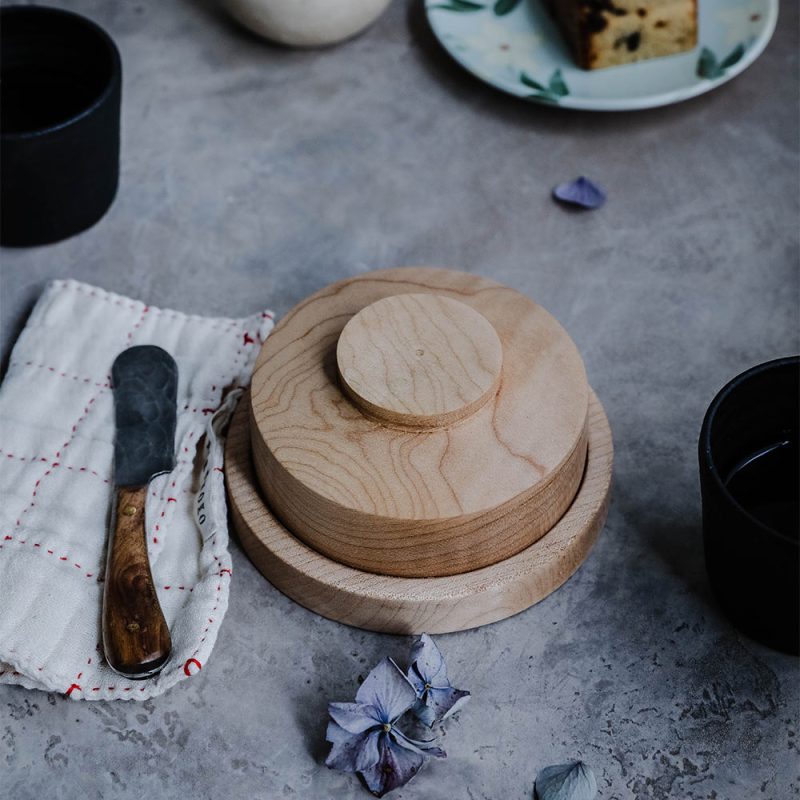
580	192
354	717
369	753
426	658
395	767
416	680
447	701
345	748
417	745
424	712
388	689
573	781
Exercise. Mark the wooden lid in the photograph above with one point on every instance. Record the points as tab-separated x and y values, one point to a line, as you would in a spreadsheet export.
419	360
419	422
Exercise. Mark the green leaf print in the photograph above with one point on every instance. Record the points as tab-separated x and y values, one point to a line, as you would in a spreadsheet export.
708	66
461	6
502	7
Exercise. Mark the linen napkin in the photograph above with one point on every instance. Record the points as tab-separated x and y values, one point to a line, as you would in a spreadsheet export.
56	472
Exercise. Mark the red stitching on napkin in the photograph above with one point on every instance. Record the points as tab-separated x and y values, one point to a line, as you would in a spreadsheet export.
189	661
138	325
9	538
134	306
55	464
216	605
74	430
64	446
23	458
87	470
60	374
205	410
102	296
86	410
74	686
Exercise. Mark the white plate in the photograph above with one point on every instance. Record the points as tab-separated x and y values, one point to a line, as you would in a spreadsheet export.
522	52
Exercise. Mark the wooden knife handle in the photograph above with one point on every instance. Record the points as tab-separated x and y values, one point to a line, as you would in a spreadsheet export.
136	638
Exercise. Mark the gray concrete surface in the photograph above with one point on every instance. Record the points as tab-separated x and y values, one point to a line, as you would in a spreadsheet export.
252	176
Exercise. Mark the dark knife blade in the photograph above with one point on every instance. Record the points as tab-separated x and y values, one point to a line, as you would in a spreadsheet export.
145	380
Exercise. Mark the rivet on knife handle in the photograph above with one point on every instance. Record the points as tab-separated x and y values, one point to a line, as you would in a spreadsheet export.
136	638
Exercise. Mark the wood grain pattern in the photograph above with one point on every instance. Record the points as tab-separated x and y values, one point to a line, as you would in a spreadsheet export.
419	360
417	605
419	503
136	639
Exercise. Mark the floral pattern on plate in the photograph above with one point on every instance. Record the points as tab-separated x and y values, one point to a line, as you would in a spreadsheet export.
515	46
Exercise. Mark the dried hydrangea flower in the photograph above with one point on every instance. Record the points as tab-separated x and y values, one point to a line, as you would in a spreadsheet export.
436	698
580	192
573	781
364	735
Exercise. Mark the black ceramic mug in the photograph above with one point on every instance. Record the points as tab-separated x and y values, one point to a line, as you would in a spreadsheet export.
60	77
750	482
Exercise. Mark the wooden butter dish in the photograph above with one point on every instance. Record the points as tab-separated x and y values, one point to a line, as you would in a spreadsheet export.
420	450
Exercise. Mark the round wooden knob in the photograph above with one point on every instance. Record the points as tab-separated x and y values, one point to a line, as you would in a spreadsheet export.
419	360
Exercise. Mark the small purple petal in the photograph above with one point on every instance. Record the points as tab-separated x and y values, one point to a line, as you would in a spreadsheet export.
424	713
388	689
345	748
395	767
416	680
427	660
447	701
369	754
418	746
572	781
354	717
437	699
580	192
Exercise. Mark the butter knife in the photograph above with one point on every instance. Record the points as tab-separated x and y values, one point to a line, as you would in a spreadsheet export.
136	638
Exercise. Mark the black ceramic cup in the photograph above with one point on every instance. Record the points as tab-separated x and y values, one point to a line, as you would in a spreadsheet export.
60	78
750	484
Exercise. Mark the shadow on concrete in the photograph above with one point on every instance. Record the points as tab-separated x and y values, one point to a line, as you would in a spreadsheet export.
16	324
677	542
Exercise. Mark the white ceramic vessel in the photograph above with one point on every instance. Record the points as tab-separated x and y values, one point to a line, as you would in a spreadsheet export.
306	23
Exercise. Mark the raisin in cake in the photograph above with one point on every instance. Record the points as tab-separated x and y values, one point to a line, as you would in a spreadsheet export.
604	33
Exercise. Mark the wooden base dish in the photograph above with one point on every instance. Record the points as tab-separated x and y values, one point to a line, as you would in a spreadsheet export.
415	605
